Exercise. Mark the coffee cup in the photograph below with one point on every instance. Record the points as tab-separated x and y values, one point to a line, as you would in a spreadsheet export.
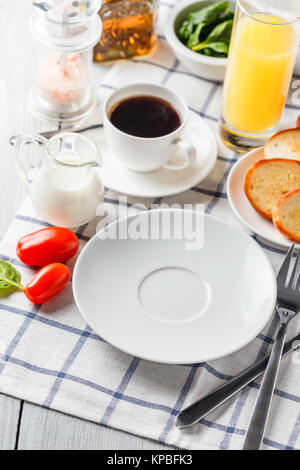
142	153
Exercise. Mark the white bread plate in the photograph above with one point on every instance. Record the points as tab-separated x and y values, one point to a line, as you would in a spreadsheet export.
242	207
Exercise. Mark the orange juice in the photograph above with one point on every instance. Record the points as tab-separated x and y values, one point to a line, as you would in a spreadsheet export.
261	62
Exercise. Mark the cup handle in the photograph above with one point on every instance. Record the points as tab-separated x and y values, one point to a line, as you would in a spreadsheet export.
190	152
21	160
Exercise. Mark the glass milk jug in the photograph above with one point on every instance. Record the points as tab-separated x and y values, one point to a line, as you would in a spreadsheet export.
61	177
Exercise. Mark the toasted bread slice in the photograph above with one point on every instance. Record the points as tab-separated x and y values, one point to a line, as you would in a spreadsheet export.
284	144
286	215
268	180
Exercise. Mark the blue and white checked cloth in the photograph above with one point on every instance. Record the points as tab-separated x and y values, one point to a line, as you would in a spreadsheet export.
49	356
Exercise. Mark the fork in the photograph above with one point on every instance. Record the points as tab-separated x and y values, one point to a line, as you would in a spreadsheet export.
288	302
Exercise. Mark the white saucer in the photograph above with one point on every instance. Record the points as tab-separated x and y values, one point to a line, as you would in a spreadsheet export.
155	299
242	207
163	182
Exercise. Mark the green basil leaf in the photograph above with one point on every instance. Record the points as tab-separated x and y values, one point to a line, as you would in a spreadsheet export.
9	279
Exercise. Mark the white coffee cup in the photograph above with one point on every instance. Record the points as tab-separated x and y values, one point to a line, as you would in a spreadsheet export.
144	154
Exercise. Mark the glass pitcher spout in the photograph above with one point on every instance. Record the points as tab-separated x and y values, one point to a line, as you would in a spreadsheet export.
66	149
93	164
73	150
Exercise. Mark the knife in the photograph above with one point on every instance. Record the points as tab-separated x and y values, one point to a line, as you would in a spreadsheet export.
49	134
200	408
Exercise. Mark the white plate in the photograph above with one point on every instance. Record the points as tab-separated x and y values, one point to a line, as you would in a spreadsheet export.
163	182
155	299
242	207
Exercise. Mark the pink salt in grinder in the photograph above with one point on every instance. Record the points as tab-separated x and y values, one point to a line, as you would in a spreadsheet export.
66	32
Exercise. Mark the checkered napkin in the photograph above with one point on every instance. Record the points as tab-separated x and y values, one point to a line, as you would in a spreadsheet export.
49	356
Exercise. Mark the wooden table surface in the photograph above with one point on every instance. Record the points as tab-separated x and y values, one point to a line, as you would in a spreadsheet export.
24	425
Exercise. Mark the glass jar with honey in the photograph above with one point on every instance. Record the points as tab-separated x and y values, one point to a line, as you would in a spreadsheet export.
128	29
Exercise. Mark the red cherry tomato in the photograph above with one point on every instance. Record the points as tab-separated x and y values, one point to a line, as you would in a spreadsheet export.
47	282
48	245
298	122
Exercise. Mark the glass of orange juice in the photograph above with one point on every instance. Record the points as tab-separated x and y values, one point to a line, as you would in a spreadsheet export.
261	61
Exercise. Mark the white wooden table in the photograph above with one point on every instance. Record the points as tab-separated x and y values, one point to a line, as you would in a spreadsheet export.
23	425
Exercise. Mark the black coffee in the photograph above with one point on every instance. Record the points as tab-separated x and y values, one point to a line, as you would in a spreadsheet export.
145	116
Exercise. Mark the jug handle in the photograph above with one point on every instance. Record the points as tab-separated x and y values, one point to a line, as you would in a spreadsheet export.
20	157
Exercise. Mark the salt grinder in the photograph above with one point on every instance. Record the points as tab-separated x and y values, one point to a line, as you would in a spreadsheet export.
66	32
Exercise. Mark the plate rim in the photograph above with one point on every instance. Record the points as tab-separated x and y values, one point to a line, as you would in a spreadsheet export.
208	168
193	361
285	244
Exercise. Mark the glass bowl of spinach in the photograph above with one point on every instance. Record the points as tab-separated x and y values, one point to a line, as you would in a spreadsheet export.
199	34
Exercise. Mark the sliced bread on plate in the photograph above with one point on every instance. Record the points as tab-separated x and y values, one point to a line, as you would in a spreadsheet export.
286	215
284	144
268	180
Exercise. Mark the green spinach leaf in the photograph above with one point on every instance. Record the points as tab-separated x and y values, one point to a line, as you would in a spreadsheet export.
208	30
220	34
220	48
186	30
208	14
225	16
194	37
199	19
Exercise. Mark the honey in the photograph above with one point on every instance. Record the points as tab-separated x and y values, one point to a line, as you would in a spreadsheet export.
128	29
